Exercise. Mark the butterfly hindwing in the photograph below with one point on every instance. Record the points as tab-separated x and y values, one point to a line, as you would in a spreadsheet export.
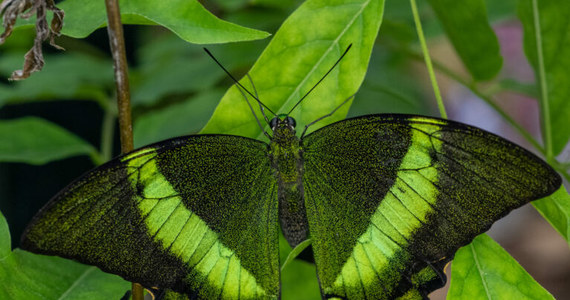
197	215
390	198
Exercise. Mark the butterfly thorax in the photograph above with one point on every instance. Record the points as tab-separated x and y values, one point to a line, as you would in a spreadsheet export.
286	158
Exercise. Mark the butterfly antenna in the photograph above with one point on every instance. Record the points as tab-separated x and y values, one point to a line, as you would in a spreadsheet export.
254	115
314	86
261	108
237	82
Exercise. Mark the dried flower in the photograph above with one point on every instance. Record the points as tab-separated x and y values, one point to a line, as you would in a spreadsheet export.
10	10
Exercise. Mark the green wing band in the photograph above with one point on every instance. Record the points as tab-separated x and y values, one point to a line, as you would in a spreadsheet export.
378	258
181	214
185	235
434	186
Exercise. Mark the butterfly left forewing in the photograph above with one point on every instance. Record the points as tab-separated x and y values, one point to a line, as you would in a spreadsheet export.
390	198
197	215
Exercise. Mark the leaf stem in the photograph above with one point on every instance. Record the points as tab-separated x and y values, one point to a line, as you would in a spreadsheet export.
427	59
487	99
117	42
544	104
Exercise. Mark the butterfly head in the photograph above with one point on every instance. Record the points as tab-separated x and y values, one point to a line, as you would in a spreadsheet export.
283	126
282	121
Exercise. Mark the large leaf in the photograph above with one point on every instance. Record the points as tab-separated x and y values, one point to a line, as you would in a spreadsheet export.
24	275
387	88
187	18
36	141
468	29
556	210
303	49
484	270
555	36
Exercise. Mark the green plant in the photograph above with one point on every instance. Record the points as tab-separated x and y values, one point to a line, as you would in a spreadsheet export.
170	100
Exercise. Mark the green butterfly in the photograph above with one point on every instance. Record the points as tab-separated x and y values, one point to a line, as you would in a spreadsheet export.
385	199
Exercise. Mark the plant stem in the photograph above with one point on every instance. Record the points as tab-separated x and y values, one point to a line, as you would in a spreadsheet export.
428	59
545	108
473	88
117	42
487	99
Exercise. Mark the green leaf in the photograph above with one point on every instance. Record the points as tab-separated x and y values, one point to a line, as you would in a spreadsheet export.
468	29
387	88
177	119
186	18
36	141
24	275
295	252
484	270
69	76
302	51
555	35
556	210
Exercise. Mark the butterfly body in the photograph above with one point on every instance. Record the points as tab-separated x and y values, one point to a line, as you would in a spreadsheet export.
385	199
285	153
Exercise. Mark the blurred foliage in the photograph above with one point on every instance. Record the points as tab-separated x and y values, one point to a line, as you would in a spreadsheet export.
176	89
43	141
554	60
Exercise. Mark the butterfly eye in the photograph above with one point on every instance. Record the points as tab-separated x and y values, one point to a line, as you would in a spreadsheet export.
291	122
273	122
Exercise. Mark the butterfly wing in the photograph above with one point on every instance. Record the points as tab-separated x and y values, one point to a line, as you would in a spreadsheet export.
390	198
195	214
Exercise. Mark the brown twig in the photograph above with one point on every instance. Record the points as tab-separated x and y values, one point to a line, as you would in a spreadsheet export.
117	42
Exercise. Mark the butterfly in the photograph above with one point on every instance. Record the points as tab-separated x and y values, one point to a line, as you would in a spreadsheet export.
385	199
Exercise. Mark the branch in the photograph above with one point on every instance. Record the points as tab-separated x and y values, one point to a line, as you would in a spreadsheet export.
117	42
